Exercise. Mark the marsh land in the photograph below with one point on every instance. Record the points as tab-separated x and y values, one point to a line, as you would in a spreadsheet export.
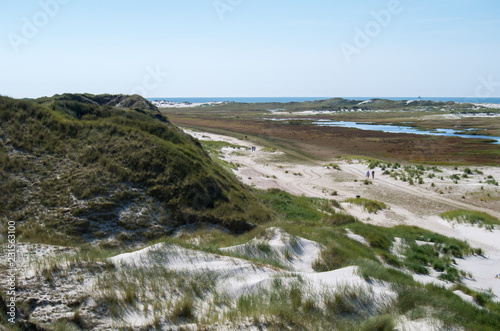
292	126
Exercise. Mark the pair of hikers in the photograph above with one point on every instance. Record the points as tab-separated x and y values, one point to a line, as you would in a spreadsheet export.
368	174
254	148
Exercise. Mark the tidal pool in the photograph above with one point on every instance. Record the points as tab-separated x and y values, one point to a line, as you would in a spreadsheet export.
403	129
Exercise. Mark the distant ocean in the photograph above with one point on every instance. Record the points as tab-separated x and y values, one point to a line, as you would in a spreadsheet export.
302	99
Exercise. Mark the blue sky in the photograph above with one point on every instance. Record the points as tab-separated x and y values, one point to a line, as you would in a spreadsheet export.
244	48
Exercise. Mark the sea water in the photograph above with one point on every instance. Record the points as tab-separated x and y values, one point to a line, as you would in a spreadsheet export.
302	99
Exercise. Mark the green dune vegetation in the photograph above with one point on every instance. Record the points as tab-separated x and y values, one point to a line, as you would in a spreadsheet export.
370	206
98	176
75	168
472	217
341	103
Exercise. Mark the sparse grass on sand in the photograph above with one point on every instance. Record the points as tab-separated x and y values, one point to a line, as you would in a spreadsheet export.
180	297
370	206
472	217
289	303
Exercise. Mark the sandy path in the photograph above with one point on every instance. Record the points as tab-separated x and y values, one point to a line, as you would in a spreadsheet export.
309	176
410	204
425	195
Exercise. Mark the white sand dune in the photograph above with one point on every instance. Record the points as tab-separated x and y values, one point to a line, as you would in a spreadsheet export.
294	252
171	104
239	276
488	105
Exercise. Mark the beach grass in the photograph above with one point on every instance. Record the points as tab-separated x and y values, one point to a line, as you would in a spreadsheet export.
471	217
368	205
97	161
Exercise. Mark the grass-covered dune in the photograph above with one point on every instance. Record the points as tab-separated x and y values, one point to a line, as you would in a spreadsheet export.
80	167
120	100
334	104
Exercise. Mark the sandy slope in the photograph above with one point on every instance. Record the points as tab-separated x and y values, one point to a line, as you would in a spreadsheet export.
237	276
298	254
417	205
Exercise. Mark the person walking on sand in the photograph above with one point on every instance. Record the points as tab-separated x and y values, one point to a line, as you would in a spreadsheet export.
368	174
373	174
